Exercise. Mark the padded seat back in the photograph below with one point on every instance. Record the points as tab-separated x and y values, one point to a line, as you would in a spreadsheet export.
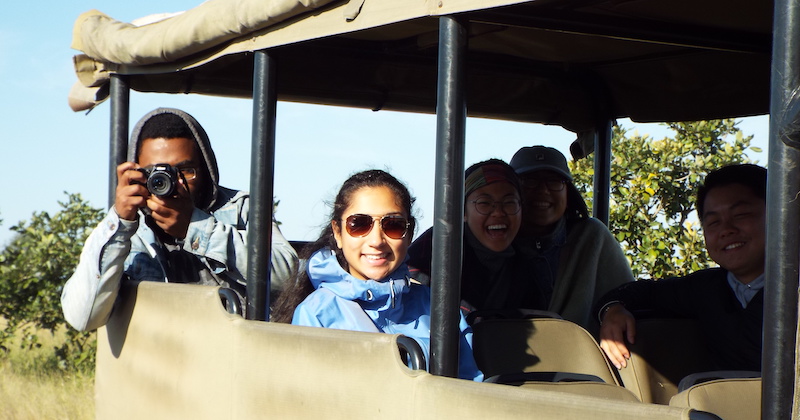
730	399
507	346
665	351
594	389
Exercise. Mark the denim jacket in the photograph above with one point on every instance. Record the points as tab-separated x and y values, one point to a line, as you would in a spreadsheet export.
213	251
118	247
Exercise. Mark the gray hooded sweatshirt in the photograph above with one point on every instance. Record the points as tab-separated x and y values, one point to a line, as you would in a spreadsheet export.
213	252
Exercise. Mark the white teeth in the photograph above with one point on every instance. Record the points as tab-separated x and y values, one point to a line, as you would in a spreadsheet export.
733	246
496	227
375	257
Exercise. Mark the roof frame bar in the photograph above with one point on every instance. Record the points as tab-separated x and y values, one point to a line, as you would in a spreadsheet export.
601	199
120	92
262	174
783	210
448	210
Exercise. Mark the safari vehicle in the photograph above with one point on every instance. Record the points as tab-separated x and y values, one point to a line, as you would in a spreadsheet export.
172	351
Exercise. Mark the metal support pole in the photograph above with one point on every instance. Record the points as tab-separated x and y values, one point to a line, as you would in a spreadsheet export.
262	171
120	92
783	215
448	212
602	171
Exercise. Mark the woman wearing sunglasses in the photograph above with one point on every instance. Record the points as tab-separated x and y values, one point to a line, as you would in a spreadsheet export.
357	278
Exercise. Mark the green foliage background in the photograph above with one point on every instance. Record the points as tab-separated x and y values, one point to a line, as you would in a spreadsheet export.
33	270
653	187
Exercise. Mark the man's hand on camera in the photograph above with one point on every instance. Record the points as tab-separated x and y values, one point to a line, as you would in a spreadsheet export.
131	194
173	214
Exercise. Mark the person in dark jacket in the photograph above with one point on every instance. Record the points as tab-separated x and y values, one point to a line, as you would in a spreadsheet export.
573	258
727	302
492	275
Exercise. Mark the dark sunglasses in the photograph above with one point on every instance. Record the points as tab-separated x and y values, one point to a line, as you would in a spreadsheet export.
551	184
393	225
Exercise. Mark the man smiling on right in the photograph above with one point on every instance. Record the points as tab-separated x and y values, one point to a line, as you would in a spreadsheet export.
727	302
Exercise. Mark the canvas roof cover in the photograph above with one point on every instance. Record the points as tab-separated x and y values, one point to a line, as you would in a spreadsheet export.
566	62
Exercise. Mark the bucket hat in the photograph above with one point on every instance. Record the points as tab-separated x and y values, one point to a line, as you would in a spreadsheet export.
540	158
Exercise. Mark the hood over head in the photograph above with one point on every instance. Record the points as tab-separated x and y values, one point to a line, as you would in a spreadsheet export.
199	136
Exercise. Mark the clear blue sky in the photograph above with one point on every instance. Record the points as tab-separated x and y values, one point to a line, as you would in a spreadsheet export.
47	149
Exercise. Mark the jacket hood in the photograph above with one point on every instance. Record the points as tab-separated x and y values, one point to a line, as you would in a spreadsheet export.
324	272
199	136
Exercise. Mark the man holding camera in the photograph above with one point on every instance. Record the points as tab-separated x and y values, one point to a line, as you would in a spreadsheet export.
171	221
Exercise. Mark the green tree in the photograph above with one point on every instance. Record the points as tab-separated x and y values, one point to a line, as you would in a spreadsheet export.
33	269
653	187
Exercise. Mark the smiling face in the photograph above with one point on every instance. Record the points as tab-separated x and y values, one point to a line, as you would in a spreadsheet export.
375	255
734	224
497	229
542	206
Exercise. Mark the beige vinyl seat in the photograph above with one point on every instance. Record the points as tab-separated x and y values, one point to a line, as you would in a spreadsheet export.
665	351
730	398
545	353
700	377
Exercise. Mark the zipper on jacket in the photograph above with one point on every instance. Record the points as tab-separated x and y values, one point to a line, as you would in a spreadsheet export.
391	288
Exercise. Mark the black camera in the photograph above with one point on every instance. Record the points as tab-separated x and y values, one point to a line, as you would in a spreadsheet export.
162	179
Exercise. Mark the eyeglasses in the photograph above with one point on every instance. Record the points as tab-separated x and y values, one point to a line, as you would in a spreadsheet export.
552	184
393	225
188	173
486	207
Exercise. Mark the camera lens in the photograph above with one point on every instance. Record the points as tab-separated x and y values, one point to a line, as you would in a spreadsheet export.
160	184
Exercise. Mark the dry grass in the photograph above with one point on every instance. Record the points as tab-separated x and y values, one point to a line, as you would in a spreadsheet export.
45	396
30	388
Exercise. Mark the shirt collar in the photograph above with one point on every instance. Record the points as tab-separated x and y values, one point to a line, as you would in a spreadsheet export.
745	292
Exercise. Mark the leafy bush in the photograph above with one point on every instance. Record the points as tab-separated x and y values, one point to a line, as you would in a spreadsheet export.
653	188
33	270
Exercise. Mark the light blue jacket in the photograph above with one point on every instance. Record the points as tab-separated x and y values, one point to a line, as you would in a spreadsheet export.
393	305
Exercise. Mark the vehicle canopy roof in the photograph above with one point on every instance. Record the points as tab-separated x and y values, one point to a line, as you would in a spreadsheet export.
564	62
574	63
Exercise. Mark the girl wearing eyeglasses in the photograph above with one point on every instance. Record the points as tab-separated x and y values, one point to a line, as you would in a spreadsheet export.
357	278
493	276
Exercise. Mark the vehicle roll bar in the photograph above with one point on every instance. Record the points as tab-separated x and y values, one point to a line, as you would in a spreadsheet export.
448	209
120	92
601	199
262	172
783	211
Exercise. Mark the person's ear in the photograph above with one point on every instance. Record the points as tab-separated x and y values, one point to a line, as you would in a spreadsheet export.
337	233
